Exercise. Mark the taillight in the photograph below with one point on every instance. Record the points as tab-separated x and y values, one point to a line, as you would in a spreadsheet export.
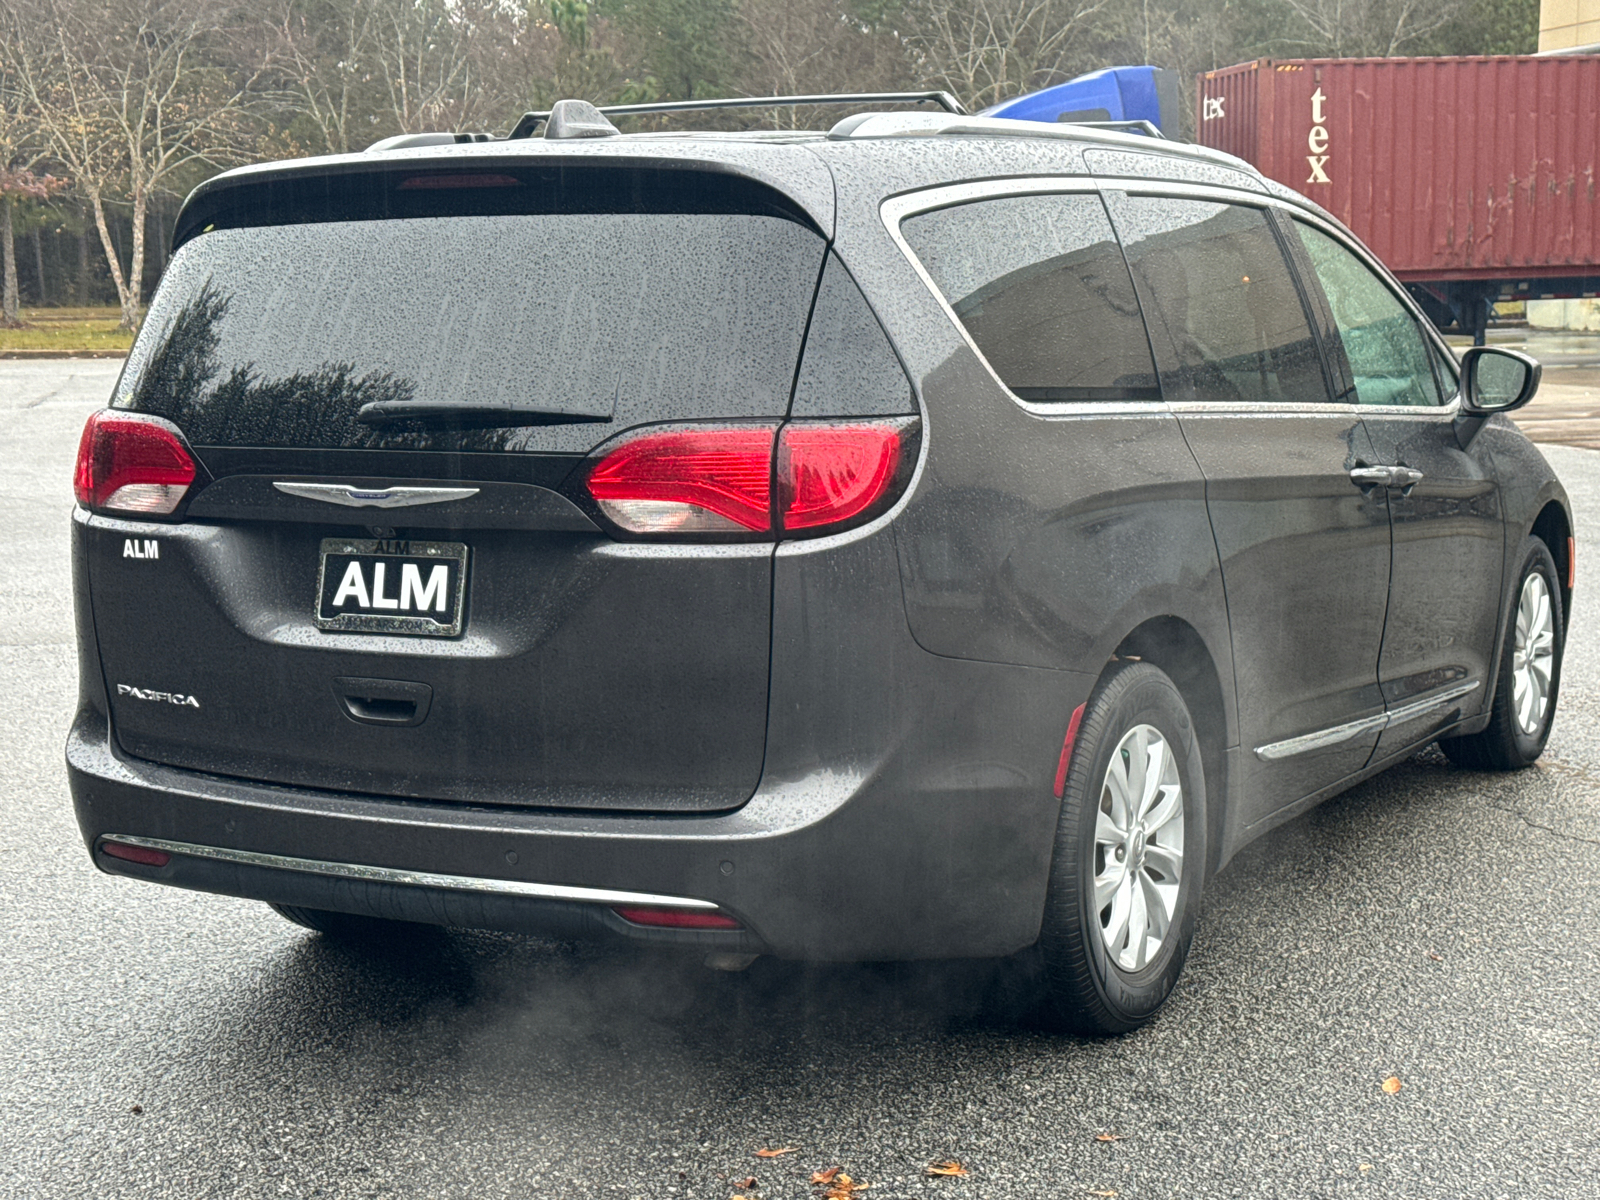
828	474
709	480
689	480
129	463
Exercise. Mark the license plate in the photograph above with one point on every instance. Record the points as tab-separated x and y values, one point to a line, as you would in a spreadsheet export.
415	588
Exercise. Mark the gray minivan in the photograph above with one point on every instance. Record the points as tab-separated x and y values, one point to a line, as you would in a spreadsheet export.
933	537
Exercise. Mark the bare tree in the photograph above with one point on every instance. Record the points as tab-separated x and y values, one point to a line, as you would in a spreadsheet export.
986	50
1373	28
426	54
128	93
815	46
325	55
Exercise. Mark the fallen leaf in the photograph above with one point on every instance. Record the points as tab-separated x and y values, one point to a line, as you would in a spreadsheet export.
1435	957
776	1153
1108	1137
947	1167
843	1188
1391	1085
746	1183
825	1176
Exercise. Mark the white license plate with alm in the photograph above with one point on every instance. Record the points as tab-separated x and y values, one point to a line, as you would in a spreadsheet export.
394	586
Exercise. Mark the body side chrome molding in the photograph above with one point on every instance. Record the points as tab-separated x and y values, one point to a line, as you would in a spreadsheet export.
1335	734
357	497
459	883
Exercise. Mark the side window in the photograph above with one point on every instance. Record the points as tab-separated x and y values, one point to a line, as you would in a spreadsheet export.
849	368
1387	353
1215	279
1041	285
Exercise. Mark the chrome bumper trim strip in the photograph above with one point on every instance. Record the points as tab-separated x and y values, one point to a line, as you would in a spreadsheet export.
459	883
1335	734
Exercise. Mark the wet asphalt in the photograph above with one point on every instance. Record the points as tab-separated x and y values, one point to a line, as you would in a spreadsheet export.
1435	925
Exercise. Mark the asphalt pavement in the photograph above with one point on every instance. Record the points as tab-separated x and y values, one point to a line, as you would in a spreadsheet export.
1434	925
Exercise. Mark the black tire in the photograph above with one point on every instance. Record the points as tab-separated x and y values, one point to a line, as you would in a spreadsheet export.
1081	988
348	927
1503	745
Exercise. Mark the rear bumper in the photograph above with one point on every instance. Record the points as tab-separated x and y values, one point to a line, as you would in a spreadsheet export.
838	866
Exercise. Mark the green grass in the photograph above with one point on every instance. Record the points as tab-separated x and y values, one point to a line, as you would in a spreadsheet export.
66	330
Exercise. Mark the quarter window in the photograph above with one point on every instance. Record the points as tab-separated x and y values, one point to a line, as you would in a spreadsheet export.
1387	353
1040	284
1214	278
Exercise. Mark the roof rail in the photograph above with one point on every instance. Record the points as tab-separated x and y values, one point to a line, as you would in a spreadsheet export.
531	121
1148	128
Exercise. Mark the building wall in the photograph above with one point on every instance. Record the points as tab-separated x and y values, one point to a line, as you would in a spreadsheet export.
1581	315
1564	24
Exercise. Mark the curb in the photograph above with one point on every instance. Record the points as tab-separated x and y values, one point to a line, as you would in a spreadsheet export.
63	354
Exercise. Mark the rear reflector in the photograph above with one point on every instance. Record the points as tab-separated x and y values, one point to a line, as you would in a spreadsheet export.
676	918
136	854
698	479
830	473
129	463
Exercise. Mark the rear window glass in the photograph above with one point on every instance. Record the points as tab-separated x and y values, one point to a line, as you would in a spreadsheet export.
1213	278
1041	286
276	336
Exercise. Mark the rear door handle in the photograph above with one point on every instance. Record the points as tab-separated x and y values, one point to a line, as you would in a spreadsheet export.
1395	477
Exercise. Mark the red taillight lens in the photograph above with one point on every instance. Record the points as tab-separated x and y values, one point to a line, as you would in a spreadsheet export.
719	481
132	464
689	480
831	473
142	855
677	918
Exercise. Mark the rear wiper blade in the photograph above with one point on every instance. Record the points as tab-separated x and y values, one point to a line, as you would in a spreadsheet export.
486	415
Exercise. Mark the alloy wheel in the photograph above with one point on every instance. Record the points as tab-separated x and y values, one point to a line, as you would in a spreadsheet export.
1138	851
1533	654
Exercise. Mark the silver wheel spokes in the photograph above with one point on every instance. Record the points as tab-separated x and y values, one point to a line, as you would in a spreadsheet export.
1138	848
1533	654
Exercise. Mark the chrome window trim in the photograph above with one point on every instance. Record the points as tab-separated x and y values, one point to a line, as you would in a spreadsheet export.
896	209
457	883
1334	734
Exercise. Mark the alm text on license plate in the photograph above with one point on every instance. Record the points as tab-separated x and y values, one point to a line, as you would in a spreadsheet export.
393	586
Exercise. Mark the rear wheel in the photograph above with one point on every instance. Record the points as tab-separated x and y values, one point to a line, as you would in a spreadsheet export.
1529	677
348	927
1129	858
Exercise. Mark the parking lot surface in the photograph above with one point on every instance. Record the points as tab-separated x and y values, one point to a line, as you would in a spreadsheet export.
1437	926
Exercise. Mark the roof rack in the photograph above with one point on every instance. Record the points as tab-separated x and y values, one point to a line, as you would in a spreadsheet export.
530	121
1148	128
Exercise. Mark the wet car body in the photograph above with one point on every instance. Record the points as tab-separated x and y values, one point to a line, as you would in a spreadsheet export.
896	789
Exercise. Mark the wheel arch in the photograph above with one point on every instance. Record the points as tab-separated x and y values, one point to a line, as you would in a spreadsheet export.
1176	647
1553	527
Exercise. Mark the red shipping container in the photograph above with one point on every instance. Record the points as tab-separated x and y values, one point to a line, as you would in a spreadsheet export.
1450	169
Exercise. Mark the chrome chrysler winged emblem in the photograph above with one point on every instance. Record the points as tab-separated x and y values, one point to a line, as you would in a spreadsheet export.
358	497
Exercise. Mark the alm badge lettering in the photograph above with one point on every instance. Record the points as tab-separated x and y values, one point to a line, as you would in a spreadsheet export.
415	594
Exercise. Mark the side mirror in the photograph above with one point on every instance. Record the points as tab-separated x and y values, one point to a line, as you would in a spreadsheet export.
1496	381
